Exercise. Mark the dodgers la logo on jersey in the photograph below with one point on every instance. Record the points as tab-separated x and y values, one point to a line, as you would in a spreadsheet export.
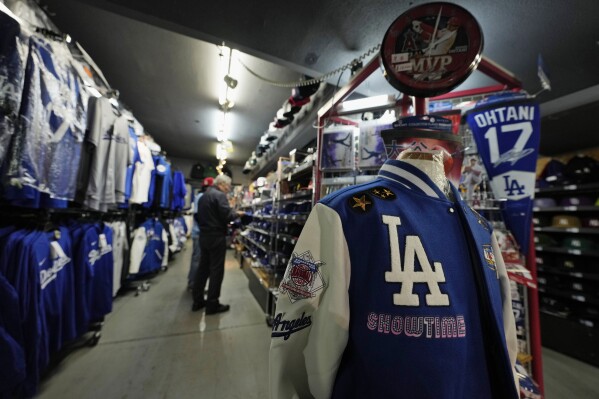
431	275
302	279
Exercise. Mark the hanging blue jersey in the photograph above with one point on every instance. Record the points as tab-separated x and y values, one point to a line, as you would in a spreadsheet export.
101	298
85	253
154	249
45	152
164	179
131	168
13	55
152	189
27	262
55	270
179	191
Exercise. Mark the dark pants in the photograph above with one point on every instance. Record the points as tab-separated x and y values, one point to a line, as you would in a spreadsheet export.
213	249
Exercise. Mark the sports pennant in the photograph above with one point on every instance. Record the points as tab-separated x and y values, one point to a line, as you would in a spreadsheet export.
506	129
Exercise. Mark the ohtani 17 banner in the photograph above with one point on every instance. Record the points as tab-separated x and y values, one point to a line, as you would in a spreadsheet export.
506	129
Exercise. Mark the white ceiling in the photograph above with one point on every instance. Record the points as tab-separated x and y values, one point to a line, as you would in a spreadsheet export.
162	55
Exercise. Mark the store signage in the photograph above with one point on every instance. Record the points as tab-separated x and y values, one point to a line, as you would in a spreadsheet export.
506	129
431	49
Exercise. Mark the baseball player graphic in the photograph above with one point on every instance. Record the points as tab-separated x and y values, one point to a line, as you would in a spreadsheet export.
472	177
443	40
337	150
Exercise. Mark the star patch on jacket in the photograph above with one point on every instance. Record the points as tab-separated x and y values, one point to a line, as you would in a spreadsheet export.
360	202
383	193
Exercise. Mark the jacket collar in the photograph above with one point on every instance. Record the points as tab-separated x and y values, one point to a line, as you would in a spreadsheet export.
411	177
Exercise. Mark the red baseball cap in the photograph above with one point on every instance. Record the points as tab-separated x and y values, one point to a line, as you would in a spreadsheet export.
208	181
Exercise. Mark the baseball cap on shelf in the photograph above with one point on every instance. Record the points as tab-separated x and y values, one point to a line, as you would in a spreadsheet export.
576	201
565	221
590	222
544	203
208	181
545	240
570	263
541	220
578	243
582	169
304	91
299	102
552	174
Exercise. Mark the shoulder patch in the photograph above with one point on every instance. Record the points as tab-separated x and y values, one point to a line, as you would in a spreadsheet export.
302	278
490	258
383	193
360	202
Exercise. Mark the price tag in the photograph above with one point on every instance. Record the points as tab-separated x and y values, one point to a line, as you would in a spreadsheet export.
577	286
570	187
574	251
571	208
102	242
573	230
579	275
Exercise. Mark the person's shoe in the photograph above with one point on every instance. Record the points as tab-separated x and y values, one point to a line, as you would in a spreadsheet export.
218	308
197	306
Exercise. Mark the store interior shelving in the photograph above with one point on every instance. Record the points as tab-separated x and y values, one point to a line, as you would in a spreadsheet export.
569	275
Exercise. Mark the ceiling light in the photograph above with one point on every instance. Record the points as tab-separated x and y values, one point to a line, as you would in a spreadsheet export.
226	105
221	152
231	82
367	103
228	82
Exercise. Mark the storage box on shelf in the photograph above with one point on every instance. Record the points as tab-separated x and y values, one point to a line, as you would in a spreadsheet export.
566	224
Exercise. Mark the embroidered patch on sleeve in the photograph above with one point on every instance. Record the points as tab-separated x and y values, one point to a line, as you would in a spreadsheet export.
302	279
490	258
360	202
383	193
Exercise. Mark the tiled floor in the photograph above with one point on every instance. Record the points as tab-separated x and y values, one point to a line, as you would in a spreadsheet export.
153	346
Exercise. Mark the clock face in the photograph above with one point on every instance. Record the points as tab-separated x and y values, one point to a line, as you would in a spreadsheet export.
431	49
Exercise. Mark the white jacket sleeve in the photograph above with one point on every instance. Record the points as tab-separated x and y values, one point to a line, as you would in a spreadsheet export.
310	328
509	323
137	249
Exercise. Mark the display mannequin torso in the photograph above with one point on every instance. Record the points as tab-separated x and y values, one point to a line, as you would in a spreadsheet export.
430	163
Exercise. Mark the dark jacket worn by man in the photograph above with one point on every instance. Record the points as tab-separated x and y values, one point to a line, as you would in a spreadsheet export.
213	215
214	212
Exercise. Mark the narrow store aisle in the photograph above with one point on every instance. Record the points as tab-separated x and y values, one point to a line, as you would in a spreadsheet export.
153	346
569	378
